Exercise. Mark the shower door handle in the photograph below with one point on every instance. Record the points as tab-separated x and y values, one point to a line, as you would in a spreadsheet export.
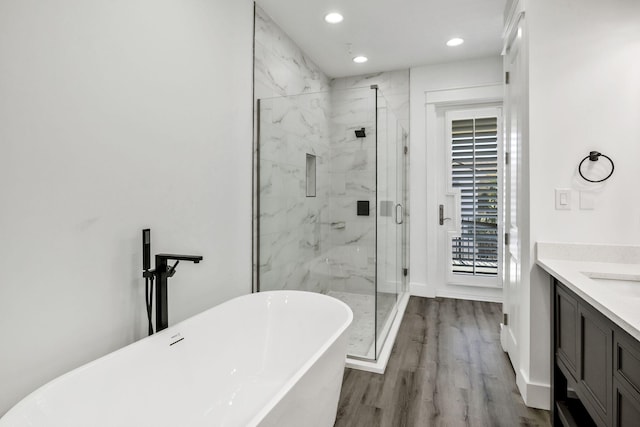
399	216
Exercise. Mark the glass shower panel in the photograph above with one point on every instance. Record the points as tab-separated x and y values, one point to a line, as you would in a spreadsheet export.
353	212
325	243
293	226
403	163
390	218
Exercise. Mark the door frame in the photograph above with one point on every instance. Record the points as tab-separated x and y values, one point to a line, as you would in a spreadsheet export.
436	102
513	260
452	198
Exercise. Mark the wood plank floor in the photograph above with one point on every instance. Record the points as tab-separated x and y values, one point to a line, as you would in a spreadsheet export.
447	368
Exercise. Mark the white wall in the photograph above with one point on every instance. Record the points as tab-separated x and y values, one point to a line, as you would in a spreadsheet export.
115	116
427	264
584	94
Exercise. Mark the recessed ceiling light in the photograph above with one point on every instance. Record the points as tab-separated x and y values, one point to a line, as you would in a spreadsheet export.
333	18
360	59
455	42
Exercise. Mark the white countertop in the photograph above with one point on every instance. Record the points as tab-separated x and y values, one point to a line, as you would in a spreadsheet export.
605	276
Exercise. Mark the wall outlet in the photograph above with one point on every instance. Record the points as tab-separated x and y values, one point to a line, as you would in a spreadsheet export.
563	199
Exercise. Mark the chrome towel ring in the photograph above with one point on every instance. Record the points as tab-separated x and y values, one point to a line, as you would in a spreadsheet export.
594	156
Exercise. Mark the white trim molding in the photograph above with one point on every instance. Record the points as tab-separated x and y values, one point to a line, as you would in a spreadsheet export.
459	292
535	395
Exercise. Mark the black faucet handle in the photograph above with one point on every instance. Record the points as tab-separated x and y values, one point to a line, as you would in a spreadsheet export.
172	270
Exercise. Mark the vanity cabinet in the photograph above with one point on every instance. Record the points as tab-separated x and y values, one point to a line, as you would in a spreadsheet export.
626	380
594	363
595	372
567	331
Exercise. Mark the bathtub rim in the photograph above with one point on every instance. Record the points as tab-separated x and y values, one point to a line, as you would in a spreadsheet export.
291	382
264	411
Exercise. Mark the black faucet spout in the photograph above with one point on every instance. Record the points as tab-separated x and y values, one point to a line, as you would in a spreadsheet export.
174	257
163	272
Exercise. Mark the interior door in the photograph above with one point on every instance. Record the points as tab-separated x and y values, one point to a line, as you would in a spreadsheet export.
515	109
472	197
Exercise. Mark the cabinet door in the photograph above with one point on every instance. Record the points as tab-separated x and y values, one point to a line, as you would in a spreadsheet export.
595	369
567	330
626	360
626	379
627	406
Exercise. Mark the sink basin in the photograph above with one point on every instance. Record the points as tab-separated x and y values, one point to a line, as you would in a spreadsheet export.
612	276
617	282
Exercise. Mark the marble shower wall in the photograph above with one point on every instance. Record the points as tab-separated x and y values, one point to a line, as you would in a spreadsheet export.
315	243
394	85
281	67
294	104
353	178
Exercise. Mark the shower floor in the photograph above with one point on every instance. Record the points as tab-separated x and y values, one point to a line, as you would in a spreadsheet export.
361	333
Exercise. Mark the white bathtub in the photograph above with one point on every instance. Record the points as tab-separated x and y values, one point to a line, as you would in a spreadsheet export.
266	359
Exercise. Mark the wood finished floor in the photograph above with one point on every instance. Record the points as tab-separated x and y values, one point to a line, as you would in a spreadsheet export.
447	368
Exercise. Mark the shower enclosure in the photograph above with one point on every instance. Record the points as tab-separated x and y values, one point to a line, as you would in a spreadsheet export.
331	179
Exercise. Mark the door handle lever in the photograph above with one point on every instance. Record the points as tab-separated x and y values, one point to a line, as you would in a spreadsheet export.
441	218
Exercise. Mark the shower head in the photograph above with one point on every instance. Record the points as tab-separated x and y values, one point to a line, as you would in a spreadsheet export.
360	133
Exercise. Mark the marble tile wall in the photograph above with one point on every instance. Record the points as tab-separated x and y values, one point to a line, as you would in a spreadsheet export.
353	177
394	85
316	243
293	227
293	105
281	67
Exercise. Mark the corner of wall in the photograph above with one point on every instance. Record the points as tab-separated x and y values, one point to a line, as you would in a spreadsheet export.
421	290
535	395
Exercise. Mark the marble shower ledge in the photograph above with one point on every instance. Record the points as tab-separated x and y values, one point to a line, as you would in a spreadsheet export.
603	275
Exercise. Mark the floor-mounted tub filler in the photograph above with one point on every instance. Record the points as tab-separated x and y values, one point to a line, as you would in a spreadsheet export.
266	359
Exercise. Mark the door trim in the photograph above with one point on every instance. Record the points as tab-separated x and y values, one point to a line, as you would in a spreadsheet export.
435	101
454	227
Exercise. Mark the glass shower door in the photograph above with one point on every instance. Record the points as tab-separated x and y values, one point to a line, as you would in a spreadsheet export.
330	204
390	219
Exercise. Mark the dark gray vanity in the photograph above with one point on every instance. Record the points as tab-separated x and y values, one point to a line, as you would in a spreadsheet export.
595	375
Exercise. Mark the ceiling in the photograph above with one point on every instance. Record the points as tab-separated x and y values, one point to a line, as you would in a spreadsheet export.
393	34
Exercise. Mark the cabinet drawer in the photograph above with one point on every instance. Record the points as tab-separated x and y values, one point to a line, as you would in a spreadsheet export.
626	360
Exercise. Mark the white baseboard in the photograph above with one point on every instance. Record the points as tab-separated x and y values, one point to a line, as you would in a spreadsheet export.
421	290
457	292
535	395
491	295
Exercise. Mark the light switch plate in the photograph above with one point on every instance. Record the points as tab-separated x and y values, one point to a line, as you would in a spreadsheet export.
563	199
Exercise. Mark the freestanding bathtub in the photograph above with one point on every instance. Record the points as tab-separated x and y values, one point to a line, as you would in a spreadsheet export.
265	359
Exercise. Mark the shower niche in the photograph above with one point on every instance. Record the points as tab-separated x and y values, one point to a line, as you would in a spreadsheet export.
331	174
311	175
